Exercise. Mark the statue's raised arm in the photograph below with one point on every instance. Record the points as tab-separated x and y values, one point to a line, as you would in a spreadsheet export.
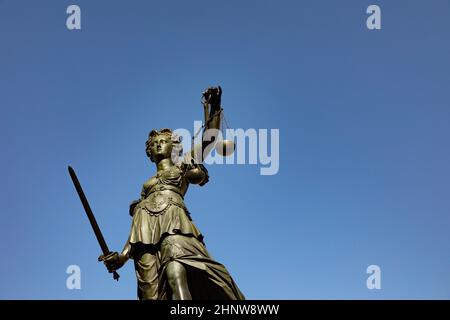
211	100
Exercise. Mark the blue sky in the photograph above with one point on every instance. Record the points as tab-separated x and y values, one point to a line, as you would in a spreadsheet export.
364	154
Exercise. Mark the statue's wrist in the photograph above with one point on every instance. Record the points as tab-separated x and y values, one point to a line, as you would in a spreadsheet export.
215	112
122	258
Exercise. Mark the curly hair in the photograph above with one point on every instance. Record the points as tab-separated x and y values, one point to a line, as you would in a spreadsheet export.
177	147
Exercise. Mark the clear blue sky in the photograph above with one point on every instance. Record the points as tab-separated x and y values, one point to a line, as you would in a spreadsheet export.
364	141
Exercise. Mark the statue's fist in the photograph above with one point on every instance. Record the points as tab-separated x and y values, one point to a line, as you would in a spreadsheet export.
212	96
112	261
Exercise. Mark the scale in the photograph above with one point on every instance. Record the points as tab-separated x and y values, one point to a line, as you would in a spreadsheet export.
224	147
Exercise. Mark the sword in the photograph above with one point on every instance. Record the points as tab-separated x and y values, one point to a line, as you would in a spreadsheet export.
91	217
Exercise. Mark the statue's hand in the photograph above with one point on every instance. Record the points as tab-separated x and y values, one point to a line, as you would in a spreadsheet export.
113	261
213	97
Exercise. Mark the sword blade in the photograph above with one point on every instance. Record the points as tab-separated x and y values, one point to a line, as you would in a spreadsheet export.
90	215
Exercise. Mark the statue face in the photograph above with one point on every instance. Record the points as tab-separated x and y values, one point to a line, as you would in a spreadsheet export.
161	147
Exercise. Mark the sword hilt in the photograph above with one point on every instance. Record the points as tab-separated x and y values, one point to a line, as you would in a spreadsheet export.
102	257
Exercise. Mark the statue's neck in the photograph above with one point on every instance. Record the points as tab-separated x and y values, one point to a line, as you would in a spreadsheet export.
164	164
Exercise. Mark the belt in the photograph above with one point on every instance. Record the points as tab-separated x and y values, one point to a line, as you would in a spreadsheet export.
163	188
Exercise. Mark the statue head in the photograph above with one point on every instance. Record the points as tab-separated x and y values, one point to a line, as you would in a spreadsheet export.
163	144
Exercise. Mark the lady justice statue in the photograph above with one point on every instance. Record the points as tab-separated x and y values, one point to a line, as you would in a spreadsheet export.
169	254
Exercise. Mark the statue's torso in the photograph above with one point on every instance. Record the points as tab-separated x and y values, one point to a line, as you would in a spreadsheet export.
161	210
164	189
171	178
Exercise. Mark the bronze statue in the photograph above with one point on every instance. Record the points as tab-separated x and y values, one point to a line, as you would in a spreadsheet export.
169	254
